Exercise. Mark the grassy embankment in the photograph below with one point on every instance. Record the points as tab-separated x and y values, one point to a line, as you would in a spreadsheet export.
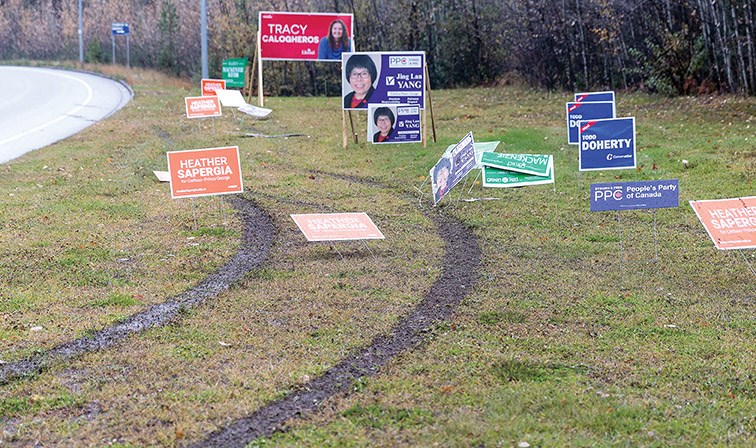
563	341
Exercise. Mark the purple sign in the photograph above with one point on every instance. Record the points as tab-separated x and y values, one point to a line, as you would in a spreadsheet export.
607	144
452	167
635	195
577	112
383	78
394	124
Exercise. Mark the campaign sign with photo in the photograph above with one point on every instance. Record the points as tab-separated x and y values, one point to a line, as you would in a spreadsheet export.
498	178
635	195
394	124
383	78
480	148
337	226
205	172
533	164
291	36
202	106
452	167
580	111
731	223
209	86
594	96
607	144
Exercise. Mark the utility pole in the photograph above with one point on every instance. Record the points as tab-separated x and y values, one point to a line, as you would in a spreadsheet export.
81	34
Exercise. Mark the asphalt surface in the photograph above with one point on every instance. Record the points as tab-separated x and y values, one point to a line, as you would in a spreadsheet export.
40	106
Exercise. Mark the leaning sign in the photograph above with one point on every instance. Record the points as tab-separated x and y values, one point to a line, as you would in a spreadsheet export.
452	167
383	78
731	223
205	172
337	226
635	195
292	36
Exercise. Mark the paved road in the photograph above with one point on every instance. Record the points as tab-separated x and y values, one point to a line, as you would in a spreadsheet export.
39	106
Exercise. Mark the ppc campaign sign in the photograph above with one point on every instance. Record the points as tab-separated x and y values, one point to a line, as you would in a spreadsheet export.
383	78
202	106
337	226
635	195
731	223
505	178
394	124
607	144
205	172
291	36
452	167
533	164
588	97
233	71
209	86
578	111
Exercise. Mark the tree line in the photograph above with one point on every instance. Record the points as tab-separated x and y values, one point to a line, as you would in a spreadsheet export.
671	47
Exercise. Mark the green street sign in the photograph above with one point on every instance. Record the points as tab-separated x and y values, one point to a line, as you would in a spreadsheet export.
535	164
233	72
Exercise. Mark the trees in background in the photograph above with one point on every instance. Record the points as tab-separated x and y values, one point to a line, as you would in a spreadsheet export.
671	47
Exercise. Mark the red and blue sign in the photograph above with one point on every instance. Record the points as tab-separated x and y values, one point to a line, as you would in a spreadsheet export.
588	110
588	97
635	195
607	144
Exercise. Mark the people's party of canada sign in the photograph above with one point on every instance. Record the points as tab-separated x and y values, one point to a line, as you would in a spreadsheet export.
292	36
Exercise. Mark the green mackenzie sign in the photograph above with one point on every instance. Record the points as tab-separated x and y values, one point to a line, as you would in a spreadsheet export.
498	178
233	72
534	164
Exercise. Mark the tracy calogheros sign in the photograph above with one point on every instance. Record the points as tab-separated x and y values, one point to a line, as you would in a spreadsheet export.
305	36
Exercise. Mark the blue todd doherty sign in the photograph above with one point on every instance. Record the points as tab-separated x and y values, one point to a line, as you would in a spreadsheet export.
635	195
588	110
607	144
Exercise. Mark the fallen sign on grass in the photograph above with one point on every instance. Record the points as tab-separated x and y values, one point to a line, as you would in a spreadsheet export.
731	223
337	226
516	170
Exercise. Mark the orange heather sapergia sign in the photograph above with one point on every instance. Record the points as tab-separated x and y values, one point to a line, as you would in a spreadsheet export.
202	106
337	226
209	86
205	172
731	223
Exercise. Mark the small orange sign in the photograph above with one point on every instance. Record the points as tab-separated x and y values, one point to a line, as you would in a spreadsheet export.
205	172
202	106
337	226
731	223
209	86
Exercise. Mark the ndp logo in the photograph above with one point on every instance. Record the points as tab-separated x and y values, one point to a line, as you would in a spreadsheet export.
405	62
605	195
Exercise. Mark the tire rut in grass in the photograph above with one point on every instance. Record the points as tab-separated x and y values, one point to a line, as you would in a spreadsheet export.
462	257
258	233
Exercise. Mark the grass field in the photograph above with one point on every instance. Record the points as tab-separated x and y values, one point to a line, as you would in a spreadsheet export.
582	330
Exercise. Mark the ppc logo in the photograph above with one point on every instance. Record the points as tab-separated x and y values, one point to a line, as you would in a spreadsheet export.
405	62
607	194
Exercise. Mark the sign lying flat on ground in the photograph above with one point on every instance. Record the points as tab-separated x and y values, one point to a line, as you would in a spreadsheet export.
452	167
731	223
337	226
498	178
383	78
533	164
205	172
291	36
209	86
581	111
607	144
635	195
394	124
202	106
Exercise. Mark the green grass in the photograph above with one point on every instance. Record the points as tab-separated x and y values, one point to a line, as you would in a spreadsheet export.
575	334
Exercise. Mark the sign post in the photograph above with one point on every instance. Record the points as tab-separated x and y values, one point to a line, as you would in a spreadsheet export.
121	29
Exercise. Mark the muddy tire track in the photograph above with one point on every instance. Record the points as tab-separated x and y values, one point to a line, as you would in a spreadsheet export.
257	237
462	258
